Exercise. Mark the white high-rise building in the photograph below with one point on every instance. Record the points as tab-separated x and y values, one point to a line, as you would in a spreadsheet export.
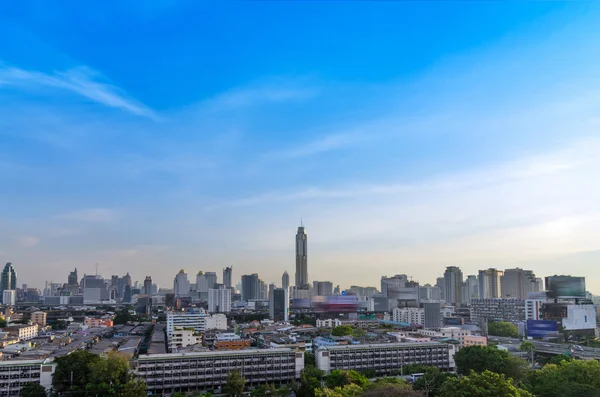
411	315
219	300
9	297
489	284
181	285
301	259
470	289
453	281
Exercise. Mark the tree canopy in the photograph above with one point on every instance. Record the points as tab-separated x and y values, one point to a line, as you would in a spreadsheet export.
341	330
488	358
432	380
339	378
485	384
569	378
503	328
310	380
235	384
32	389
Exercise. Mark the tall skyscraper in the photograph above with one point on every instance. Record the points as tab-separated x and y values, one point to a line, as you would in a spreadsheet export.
285	280
250	286
148	286
9	279
470	289
517	283
181	285
73	279
211	278
301	259
219	300
453	280
390	286
202	282
227	277
489	283
278	304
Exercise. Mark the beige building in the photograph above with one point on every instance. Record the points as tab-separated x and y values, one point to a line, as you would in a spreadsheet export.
23	332
38	318
475	340
183	337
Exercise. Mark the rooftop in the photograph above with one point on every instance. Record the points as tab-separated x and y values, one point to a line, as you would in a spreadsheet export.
244	352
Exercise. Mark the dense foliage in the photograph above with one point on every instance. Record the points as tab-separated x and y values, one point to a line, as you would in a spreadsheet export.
234	385
32	389
488	358
503	329
485	384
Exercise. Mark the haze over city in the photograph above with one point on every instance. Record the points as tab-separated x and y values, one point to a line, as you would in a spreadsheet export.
144	144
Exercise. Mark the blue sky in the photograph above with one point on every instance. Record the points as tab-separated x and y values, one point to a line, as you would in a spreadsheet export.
409	136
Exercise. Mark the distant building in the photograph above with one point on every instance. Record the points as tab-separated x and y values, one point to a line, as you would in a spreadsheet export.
183	337
8	281
227	277
475	340
328	323
509	310
433	315
98	322
470	289
410	315
489	283
148	286
181	285
285	280
9	297
453	280
250	287
23	332
211	278
39	318
219	300
322	288
301	259
517	283
73	279
200	321
533	309
278	304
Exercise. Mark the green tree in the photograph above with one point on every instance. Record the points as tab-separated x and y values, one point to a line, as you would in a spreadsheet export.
414	369
2	322
487	358
32	389
566	379
122	317
557	359
309	359
503	328
235	384
527	346
392	390
264	390
350	390
341	330
359	333
485	384
109	375
310	380
339	378
134	388
431	382
73	372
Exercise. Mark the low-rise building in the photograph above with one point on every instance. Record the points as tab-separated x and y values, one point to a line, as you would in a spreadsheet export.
98	322
328	323
474	340
446	333
38	318
23	332
386	358
200	321
183	337
232	344
166	373
15	374
410	315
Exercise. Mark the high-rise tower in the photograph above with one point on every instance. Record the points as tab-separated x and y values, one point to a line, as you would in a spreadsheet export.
9	279
227	275
285	280
301	259
453	280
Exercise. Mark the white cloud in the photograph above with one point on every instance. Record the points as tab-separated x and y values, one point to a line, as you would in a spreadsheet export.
80	80
94	215
27	241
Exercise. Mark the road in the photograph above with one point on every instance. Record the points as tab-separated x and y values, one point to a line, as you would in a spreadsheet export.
553	348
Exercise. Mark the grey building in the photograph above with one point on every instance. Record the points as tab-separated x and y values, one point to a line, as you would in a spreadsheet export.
499	309
517	283
250	287
227	277
489	283
322	288
433	315
148	286
285	280
278	304
453	280
9	279
301	259
385	358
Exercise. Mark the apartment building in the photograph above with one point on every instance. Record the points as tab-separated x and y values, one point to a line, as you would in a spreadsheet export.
39	318
199	321
328	323
410	315
23	332
166	373
98	322
475	340
183	337
15	374
447	333
510	310
385	358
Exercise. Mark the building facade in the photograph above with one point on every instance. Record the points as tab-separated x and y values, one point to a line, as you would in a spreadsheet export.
199	322
250	287
228	277
385	358
517	283
16	374
301	259
8	280
433	314
219	300
278	304
510	310
39	318
410	315
181	285
453	280
167	373
489	283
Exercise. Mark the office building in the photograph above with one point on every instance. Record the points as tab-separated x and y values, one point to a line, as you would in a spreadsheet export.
227	277
148	286
73	279
386	358
250	287
410	315
9	297
23	332
202	283
433	315
8	280
489	284
183	372
533	309
200	321
322	288
181	285
219	300
278	304
453	281
183	337
285	280
16	374
211	278
517	283
390	286
301	259
499	309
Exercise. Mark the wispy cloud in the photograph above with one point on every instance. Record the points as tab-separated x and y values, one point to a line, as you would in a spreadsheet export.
94	215
27	241
81	80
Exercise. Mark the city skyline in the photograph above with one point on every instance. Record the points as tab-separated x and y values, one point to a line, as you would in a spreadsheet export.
470	140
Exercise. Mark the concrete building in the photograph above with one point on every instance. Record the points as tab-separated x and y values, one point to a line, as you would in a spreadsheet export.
475	340
510	310
322	288
8	281
533	309
489	283
98	322
285	280
202	286
148	286
386	358
433	314
9	297
23	332
470	289
301	259
390	286
181	285
211	278
328	323
446	333
39	318
517	283
410	315
16	374
183	372
199	322
453	280
227	277
219	300
250	287
183	337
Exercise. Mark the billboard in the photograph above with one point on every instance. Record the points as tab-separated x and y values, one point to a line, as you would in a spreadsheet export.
542	328
335	304
565	287
580	317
